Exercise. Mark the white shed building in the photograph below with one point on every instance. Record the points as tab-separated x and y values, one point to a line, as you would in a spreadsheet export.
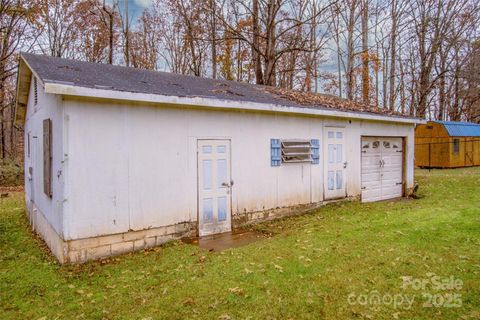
118	159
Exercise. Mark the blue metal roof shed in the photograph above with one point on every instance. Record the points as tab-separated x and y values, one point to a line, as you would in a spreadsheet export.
461	129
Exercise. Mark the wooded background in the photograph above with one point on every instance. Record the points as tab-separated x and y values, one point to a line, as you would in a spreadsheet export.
420	58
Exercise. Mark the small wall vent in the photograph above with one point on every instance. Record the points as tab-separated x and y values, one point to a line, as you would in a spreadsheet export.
35	91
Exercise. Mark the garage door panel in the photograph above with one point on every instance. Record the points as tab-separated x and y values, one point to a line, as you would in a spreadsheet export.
392	176
393	161
382	166
370	169
389	192
373	177
371	160
371	165
389	173
371	195
387	183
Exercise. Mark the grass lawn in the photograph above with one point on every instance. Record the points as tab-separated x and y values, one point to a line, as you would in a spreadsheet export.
319	266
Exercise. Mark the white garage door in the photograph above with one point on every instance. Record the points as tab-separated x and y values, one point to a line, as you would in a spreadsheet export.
382	165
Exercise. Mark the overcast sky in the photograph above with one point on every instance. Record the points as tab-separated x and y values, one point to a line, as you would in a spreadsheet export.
135	7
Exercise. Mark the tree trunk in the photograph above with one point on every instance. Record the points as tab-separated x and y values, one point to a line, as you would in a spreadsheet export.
441	87
2	103
213	37
402	87
423	92
339	66
127	37
110	42
365	55
377	52
257	64
385	77
393	47
3	146
455	109
270	76
412	110
110	14
314	44
350	50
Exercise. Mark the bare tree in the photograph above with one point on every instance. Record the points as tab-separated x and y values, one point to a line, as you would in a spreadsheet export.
57	19
108	17
349	14
213	36
92	43
430	21
395	16
144	39
256	43
365	54
16	18
271	39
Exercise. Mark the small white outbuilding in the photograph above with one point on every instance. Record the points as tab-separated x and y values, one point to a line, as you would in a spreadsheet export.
118	159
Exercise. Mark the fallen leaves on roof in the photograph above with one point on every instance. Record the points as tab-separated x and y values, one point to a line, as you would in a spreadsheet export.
328	101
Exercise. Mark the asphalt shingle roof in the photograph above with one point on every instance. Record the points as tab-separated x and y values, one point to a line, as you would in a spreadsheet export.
111	77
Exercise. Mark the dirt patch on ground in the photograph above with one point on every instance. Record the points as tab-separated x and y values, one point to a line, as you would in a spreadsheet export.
227	240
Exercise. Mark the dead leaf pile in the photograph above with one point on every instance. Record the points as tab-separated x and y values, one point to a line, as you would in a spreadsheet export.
328	101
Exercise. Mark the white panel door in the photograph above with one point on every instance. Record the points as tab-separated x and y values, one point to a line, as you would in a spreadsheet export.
214	184
334	163
382	168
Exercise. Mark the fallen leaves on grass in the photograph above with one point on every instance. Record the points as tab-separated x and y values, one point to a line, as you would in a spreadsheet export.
237	291
279	268
189	301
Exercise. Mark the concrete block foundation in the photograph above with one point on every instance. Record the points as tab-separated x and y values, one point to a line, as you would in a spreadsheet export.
93	248
82	250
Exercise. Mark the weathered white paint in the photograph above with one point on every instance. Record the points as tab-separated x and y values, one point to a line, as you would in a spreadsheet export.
123	166
135	167
48	106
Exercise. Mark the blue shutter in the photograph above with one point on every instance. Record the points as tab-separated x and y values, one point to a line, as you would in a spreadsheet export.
315	151
276	149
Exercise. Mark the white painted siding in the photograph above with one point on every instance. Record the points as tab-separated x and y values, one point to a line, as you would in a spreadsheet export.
132	167
48	106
